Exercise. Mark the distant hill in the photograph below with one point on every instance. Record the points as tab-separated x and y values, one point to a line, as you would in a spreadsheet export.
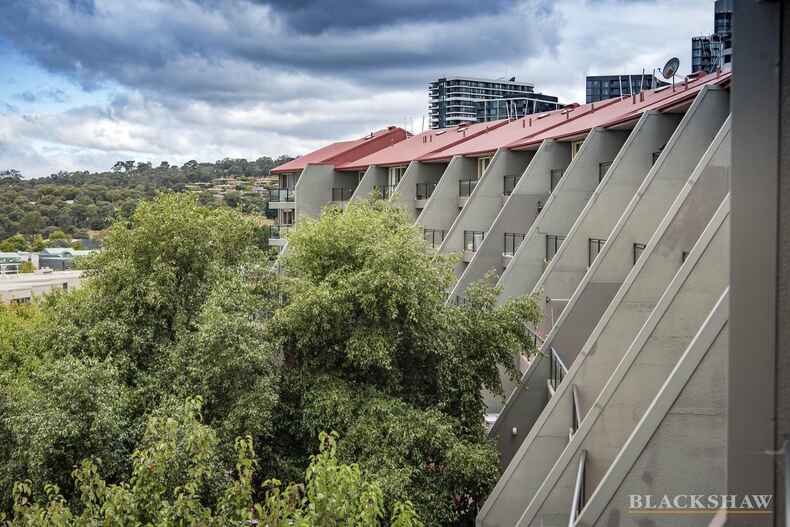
78	203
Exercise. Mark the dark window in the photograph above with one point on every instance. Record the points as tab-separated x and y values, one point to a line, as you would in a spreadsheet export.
555	175
510	184
424	190
553	242
683	256
594	246
465	187
473	240
65	286
434	237
638	248
342	193
512	241
602	168
654	157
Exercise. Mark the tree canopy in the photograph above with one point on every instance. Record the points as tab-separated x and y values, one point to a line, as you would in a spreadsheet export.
355	337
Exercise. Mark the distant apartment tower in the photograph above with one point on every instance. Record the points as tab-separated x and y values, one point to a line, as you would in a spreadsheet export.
714	51
602	87
466	100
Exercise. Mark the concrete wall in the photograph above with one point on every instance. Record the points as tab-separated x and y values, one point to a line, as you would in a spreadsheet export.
560	210
486	200
374	177
620	322
313	190
680	445
611	417
629	169
442	208
518	212
702	124
406	191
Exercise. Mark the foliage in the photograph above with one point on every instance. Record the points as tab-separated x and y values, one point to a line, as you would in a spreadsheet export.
74	202
356	336
171	469
375	350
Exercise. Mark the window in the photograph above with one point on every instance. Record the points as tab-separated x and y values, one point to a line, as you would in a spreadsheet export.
482	165
577	145
465	187
602	168
473	240
512	241
638	249
434	237
683	256
555	175
510	184
424	190
553	242
654	157
65	286
395	175
594	246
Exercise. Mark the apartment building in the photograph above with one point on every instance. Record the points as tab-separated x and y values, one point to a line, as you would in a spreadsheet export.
709	52
615	215
458	101
313	179
602	87
23	288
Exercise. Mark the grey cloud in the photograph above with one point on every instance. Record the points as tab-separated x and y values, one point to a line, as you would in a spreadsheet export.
50	95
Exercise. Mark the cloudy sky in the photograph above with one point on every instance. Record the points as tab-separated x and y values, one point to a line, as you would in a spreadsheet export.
88	82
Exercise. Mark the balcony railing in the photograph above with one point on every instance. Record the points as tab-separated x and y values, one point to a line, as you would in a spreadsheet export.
579	490
342	193
283	194
473	240
512	241
466	186
553	242
434	237
594	246
278	232
557	369
424	190
385	191
510	184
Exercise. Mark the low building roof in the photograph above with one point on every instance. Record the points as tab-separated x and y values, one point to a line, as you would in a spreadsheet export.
345	151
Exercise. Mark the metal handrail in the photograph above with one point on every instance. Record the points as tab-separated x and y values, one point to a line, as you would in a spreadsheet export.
557	368
283	194
576	410
385	190
342	193
424	190
466	186
473	240
509	184
578	490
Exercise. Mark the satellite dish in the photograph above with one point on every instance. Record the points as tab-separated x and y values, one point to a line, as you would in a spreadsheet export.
670	68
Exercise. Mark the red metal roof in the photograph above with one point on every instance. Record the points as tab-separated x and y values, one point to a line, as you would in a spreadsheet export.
346	151
514	131
418	145
624	110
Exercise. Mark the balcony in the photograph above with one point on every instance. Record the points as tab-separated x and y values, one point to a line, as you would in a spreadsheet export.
424	191
465	188
278	234
282	198
472	242
512	242
434	237
342	194
509	185
385	191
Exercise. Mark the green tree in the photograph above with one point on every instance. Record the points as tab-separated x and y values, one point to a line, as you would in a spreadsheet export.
172	468
371	347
